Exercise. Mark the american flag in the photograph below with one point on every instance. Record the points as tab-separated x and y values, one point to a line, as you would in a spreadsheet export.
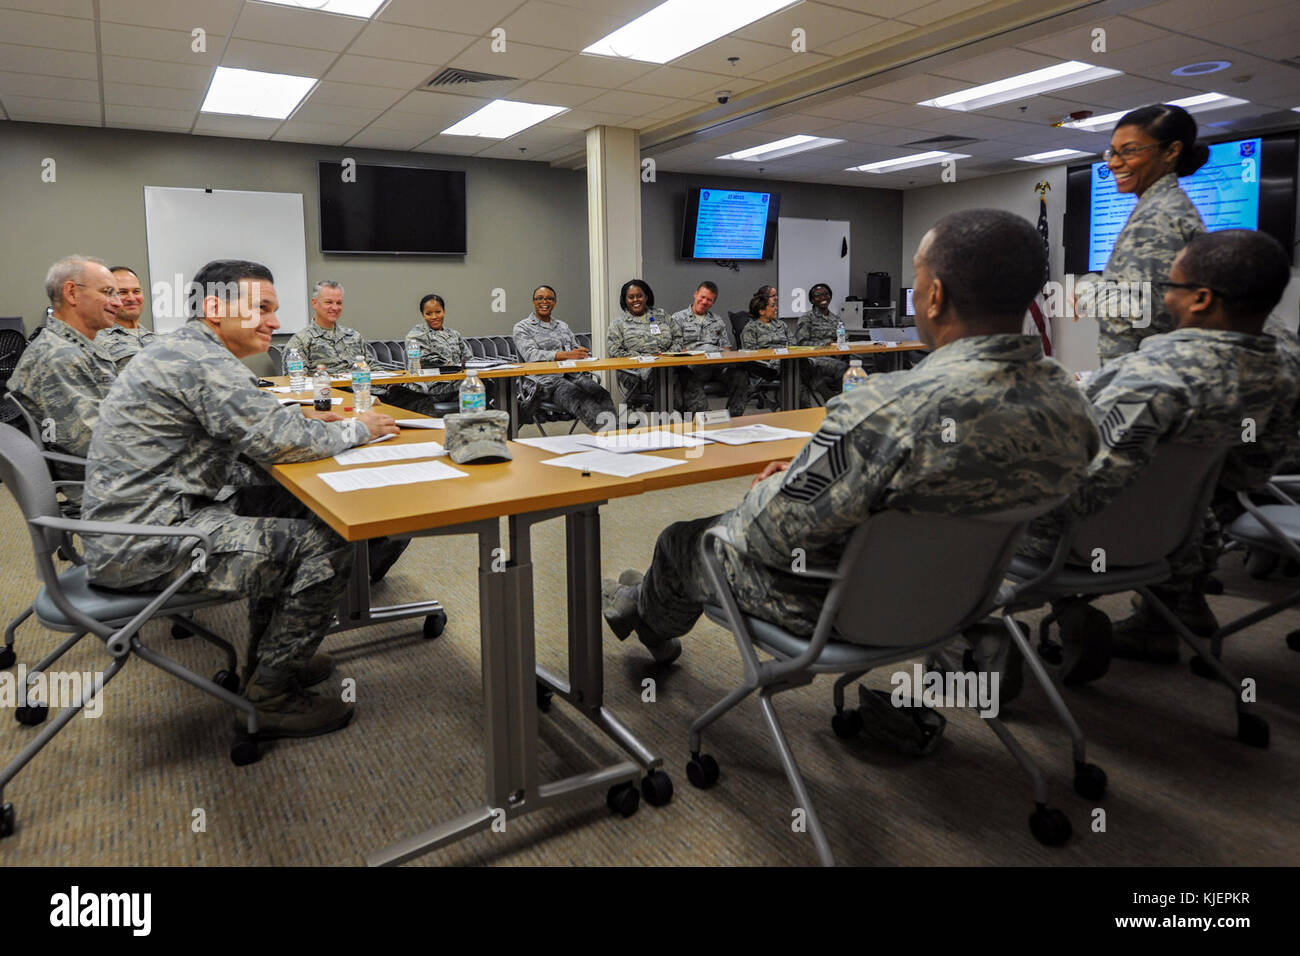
1039	311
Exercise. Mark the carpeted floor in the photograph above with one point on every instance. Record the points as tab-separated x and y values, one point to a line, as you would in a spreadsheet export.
123	789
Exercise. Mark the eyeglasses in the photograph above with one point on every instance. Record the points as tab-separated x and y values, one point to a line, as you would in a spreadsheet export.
1127	153
543	298
1191	285
110	293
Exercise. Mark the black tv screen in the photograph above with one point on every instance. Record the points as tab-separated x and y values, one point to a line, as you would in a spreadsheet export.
729	224
392	210
1247	184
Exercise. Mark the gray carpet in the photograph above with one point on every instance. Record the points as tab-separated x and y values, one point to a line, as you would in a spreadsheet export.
122	789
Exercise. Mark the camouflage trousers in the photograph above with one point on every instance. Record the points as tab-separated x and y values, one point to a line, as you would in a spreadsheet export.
691	380
822	377
635	385
414	400
288	563
584	398
676	586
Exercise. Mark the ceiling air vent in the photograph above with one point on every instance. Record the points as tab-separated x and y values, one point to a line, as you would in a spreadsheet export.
940	142
453	78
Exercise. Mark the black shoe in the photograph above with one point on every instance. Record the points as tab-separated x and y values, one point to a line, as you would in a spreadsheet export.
1087	640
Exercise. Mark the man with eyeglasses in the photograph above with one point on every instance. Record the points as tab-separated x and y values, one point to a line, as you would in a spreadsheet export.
63	376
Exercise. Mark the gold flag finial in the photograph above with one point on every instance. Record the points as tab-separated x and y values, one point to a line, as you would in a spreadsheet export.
1042	188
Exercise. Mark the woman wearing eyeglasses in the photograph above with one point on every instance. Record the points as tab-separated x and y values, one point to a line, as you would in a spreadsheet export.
1149	150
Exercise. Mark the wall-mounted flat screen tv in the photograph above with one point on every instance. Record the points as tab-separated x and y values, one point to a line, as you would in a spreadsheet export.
392	210
729	224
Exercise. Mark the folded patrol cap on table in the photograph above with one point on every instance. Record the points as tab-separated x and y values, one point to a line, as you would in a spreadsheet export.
476	437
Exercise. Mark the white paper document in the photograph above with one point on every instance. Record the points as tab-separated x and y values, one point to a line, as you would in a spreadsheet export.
389	475
558	444
609	463
748	434
625	442
419	422
368	454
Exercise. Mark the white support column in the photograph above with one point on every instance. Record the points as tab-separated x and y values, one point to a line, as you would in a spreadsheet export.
613	221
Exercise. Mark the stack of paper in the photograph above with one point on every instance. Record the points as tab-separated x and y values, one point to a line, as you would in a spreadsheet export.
625	442
609	463
370	454
748	434
390	475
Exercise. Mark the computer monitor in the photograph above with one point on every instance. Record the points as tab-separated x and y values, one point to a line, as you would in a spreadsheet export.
908	309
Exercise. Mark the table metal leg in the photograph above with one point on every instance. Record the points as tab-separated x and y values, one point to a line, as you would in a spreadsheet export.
355	610
663	377
790	375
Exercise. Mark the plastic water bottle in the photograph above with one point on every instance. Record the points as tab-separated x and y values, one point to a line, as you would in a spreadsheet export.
361	399
473	396
320	388
297	371
841	334
412	357
854	376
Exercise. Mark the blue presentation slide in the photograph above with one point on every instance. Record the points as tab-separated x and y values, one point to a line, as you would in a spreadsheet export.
1225	191
731	224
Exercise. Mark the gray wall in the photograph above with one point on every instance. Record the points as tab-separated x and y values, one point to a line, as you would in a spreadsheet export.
875	217
527	222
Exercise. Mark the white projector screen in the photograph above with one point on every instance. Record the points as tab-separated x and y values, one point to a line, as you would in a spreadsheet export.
187	228
809	251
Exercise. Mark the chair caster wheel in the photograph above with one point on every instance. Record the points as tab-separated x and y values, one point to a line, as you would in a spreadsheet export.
1089	781
544	695
1293	640
180	632
1050	652
846	724
623	799
435	624
1252	730
227	680
1213	586
1202	669
1050	826
702	771
244	751
6	820
32	714
7	657
657	788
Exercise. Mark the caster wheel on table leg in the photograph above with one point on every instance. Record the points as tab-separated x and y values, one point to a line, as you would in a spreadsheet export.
1089	781
623	798
227	680
657	788
1252	730
7	657
6	820
32	714
1050	826
846	724
244	751
702	771
1202	669
544	695
180	632
435	624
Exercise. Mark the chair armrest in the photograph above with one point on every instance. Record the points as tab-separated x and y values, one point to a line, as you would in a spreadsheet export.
1283	540
83	527
721	533
58	456
1276	491
63	484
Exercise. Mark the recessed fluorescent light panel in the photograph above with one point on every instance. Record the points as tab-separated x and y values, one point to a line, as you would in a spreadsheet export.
502	118
1052	156
348	8
252	93
782	147
1201	103
677	27
907	162
1058	77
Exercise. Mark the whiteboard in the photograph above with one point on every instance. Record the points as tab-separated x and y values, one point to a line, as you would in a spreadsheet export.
187	228
808	251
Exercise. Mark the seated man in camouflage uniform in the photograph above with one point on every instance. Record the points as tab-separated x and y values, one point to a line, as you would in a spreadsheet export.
63	375
324	341
823	376
701	329
640	330
169	434
438	346
764	330
539	337
1024	436
1199	384
126	336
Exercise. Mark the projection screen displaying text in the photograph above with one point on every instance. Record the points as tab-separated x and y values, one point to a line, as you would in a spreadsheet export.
731	224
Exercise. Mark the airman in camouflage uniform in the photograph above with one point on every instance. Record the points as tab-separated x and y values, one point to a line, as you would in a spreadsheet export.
1163	221
324	341
538	339
119	343
164	451
651	333
823	375
62	377
438	346
704	330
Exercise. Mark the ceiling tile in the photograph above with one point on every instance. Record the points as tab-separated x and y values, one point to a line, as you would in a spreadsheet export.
146	43
376	138
404	42
852	108
554	94
789	67
520	60
604	72
148	117
564	28
354	94
473	18
680	84
1187	15
821	24
452	145
625	101
324	134
998	66
442	105
712	57
584	118
297	26
1122	33
244	126
214	16
865	39
272	58
48	87
33	59
59	8
43	30
940	10
123	69
796	123
352	116
158	97
39	110
415	123
376	72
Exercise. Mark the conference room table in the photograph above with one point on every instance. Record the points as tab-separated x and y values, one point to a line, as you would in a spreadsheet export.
525	492
507	377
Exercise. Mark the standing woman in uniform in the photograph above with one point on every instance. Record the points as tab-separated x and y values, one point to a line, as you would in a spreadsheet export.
1150	149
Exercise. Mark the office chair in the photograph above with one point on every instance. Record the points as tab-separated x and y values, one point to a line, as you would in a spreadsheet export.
906	585
69	603
1134	537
